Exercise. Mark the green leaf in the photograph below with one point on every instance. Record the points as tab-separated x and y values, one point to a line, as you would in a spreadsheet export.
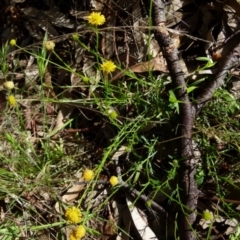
10	138
198	81
209	63
172	97
94	232
204	59
190	89
176	105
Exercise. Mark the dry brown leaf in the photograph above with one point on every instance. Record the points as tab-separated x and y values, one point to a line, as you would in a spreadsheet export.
109	229
71	194
63	114
48	83
156	64
119	152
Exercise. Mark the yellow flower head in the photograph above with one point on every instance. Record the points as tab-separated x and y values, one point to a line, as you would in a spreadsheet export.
96	18
73	215
13	42
49	45
108	66
113	181
88	175
11	100
72	236
9	85
80	231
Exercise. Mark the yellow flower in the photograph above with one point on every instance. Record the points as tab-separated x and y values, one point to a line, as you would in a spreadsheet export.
108	66
49	45
72	236
80	231
13	42
9	85
88	175
113	181
96	18
73	215
11	100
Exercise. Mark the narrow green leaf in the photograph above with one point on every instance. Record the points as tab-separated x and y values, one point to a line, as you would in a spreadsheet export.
204	59
172	97
190	89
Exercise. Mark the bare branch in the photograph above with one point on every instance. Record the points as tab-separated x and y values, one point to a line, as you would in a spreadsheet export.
189	192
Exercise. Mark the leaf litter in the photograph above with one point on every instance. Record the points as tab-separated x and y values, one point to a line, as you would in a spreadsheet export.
61	125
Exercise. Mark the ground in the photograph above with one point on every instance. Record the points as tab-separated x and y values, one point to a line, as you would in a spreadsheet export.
119	120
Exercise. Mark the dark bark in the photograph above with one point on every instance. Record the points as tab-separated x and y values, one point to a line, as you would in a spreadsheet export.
189	191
